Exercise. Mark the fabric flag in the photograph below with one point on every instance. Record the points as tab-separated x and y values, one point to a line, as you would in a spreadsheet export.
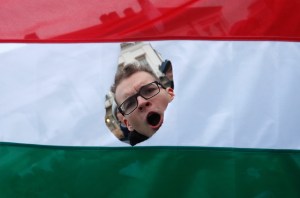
232	129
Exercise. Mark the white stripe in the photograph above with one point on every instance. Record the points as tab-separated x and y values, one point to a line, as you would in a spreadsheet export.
231	94
6	47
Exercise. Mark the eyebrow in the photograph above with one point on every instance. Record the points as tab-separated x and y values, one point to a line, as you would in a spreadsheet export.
128	95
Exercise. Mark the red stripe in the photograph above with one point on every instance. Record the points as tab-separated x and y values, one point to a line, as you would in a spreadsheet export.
114	20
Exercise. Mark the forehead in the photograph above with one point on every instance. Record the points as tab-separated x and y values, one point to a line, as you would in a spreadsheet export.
132	84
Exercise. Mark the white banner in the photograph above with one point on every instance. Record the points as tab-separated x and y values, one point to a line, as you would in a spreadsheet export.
227	94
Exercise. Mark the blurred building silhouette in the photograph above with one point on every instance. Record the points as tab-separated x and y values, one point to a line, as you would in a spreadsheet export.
142	53
182	21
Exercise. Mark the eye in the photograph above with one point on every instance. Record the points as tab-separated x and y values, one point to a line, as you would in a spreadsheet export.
149	90
129	103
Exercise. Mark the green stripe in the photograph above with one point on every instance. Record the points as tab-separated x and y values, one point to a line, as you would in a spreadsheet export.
49	171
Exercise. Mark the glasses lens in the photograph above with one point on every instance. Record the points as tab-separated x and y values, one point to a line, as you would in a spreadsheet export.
129	105
149	91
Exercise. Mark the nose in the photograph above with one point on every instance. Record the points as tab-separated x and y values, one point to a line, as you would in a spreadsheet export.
143	103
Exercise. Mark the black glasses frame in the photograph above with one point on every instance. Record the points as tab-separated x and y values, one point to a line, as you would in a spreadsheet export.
139	94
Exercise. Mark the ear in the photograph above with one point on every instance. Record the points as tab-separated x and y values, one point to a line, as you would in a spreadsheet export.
128	125
171	93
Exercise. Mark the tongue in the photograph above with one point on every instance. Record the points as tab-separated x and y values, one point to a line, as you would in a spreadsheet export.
153	119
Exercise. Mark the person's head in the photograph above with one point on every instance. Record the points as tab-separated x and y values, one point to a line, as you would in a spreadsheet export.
141	98
167	69
169	73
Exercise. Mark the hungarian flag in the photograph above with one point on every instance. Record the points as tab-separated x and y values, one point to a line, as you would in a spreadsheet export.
231	130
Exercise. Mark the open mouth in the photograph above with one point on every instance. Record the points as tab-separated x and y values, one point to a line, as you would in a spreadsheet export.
154	119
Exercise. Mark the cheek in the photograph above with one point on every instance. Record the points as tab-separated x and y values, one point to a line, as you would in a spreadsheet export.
133	119
163	100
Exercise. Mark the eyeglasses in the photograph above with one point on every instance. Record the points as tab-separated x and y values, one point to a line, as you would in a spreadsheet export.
147	91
